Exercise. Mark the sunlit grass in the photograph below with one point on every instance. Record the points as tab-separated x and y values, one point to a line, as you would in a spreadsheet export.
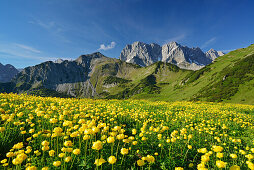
54	133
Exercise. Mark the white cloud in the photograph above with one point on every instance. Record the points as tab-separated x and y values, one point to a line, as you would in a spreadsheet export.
108	47
31	49
209	42
176	38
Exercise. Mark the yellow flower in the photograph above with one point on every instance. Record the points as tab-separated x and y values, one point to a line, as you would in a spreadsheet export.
18	145
205	158
61	155
31	168
51	153
86	137
9	154
112	159
250	165
234	156
178	168
140	162
202	150
17	161
3	161
219	155
45	143
99	162
124	151
110	139
67	143
67	159
221	164
234	167
217	148
134	131
120	136
97	145
76	151
57	163
45	148
45	168
249	156
189	147
150	159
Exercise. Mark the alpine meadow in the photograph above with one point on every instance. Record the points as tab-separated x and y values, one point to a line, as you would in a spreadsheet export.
131	85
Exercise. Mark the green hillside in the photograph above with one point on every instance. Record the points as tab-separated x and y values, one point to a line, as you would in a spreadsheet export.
229	78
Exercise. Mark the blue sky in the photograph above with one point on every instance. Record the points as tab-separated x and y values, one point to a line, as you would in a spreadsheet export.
33	31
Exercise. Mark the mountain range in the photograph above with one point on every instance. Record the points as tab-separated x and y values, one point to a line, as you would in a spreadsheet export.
184	57
142	73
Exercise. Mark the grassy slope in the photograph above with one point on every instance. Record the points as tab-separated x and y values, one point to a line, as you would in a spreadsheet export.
212	73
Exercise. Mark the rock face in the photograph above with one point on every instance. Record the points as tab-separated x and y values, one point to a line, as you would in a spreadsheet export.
213	54
7	72
141	53
78	78
184	57
174	53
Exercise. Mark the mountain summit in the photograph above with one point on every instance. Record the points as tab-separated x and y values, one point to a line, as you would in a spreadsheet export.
141	53
7	72
184	57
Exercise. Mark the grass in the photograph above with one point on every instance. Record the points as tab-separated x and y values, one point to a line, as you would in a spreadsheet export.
58	133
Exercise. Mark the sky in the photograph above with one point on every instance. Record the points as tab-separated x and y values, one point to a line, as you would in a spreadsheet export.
34	31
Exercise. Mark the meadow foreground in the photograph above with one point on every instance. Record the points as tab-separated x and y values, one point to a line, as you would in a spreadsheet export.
56	133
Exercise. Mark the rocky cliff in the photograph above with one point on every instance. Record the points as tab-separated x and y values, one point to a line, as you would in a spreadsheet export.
174	53
141	53
7	72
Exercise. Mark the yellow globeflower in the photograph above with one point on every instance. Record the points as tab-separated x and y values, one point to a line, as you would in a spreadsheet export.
202	150
124	151
67	159
178	168
3	161
97	145
234	167
57	163
45	168
31	168
68	143
18	145
219	155
112	159
134	131
45	143
99	162
51	153
61	155
17	161
76	151
249	156
111	139
150	159
10	154
221	164
140	162
189	147
205	158
217	148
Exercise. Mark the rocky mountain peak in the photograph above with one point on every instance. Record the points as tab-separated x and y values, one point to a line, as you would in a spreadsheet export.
7	72
184	57
88	57
141	53
213	54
